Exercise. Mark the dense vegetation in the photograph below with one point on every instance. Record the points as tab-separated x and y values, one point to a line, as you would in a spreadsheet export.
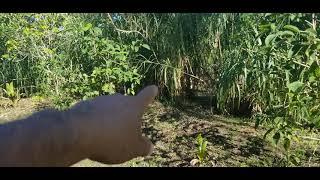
265	66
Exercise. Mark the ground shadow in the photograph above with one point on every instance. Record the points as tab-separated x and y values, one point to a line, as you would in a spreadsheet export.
254	146
197	106
172	116
193	110
154	134
217	139
200	108
41	105
211	134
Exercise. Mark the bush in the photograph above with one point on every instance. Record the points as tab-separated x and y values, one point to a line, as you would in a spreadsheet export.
65	57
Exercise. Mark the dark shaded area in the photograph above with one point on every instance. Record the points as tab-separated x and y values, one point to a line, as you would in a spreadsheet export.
163	153
42	106
209	103
195	110
220	140
153	134
201	111
254	146
240	109
171	116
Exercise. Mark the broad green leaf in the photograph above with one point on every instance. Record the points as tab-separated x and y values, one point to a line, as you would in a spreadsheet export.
264	27
307	98
283	33
292	28
199	139
295	86
87	27
97	31
269	39
311	31
278	120
146	46
108	88
5	56
292	17
10	89
204	145
312	78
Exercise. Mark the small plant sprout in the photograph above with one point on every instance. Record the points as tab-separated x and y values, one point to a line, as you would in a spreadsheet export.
201	150
11	93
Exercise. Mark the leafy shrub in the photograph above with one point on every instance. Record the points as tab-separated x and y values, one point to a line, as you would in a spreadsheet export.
64	57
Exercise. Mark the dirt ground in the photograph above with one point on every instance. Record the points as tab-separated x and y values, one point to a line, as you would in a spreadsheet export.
173	130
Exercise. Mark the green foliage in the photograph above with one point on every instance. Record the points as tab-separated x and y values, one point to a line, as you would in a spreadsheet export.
12	93
111	73
201	148
65	57
269	60
10	90
294	60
